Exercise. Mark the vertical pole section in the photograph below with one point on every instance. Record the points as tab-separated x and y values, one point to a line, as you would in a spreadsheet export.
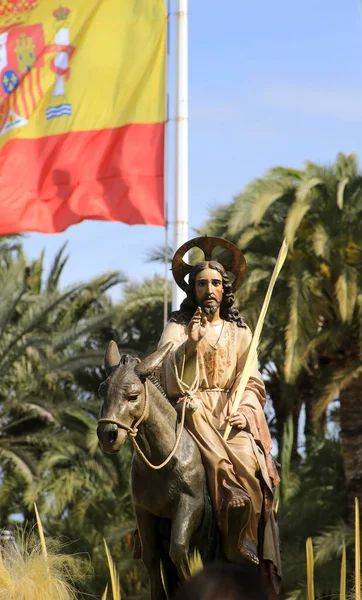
166	165
181	119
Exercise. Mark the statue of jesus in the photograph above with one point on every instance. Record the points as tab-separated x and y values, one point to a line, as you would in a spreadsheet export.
210	347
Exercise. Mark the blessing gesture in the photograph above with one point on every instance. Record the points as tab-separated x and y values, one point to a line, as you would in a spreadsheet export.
198	326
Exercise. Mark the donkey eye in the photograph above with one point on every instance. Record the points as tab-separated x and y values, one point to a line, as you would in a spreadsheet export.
132	397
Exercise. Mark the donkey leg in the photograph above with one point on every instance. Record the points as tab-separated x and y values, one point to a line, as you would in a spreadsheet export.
147	526
185	522
170	574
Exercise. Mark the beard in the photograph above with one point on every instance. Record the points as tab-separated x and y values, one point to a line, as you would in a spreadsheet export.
210	310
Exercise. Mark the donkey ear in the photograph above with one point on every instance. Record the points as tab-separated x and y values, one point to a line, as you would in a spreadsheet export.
149	364
111	357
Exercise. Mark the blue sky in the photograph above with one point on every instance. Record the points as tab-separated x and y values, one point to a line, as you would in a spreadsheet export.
269	83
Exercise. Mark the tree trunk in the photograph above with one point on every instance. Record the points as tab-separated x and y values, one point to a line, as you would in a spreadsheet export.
286	402
314	429
296	458
351	434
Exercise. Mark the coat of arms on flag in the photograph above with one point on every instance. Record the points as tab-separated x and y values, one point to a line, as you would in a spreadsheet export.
22	58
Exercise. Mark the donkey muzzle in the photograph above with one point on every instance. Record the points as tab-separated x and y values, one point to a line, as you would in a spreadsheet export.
110	437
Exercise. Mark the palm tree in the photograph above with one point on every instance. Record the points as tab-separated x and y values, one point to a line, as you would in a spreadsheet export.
141	315
51	350
42	332
315	506
317	303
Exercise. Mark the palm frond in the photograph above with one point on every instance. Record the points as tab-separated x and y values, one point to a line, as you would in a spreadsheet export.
103	283
357	550
298	594
301	324
286	456
41	532
262	203
256	276
340	191
343	577
310	569
346	293
56	269
34	317
13	288
305	186
331	542
193	564
321	241
247	237
26	573
114	575
104	596
294	219
294	175
238	215
333	383
79	330
17	463
34	410
160	254
346	165
81	360
217	223
92	440
36	274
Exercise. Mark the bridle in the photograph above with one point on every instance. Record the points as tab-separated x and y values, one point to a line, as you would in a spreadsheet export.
133	431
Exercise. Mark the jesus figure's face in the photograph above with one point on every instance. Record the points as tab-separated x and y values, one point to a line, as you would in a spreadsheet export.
209	290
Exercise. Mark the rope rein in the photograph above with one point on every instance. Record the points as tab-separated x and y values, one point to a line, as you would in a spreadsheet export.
133	431
167	460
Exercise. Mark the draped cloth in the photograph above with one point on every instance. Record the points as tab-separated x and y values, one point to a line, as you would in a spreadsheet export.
242	467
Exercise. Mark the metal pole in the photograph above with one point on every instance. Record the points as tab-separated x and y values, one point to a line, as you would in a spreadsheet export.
181	135
166	165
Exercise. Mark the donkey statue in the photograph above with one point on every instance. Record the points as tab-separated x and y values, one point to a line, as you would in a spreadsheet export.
173	508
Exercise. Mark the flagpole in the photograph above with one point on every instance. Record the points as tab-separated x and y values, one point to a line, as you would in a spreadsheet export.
166	166
181	137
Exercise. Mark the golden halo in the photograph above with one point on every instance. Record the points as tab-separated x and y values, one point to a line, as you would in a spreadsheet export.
207	244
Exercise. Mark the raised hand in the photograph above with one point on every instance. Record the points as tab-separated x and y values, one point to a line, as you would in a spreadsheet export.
197	327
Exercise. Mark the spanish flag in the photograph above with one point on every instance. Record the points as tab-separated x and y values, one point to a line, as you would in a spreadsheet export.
82	110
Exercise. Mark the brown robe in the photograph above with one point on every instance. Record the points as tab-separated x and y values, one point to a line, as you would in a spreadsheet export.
242	466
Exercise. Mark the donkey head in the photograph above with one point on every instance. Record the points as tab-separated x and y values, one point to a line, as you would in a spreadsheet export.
123	393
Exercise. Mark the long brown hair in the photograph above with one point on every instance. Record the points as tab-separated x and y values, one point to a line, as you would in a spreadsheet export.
228	311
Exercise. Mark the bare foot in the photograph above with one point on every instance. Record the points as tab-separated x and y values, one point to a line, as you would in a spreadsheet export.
238	512
237	502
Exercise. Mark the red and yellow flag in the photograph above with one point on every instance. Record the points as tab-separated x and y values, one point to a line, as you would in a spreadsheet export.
82	89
